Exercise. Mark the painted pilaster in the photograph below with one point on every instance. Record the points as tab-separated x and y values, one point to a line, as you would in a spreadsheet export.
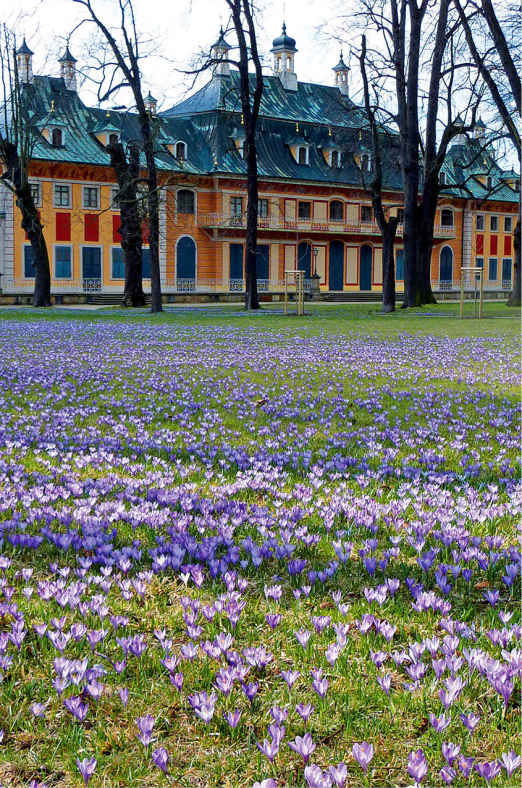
467	226
6	240
163	237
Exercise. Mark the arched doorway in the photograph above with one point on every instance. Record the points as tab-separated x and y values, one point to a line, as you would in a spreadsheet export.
365	268
186	261
336	266
446	264
304	258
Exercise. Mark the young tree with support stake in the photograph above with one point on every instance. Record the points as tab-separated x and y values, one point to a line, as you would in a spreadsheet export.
124	72
17	139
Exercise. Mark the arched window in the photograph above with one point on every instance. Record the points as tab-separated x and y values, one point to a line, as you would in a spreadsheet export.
446	217
181	150
57	138
185	201
442	178
336	211
335	158
113	139
302	155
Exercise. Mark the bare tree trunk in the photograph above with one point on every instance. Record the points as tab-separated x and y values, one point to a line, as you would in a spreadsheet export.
16	176
388	266
127	175
250	103
514	298
251	294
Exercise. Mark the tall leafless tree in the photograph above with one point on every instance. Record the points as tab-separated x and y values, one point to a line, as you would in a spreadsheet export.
17	141
473	15
242	15
126	165
387	225
123	70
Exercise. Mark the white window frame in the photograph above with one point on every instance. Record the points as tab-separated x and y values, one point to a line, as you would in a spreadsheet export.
306	149
493	216
63	278
37	203
186	189
24	277
115	206
56	128
489	268
181	142
60	205
84	192
510	219
339	160
452	212
477	217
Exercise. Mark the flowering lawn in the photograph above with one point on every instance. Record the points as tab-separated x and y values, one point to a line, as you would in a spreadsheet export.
267	551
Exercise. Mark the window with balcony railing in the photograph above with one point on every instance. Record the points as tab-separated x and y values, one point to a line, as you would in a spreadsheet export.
304	210
446	217
336	211
366	214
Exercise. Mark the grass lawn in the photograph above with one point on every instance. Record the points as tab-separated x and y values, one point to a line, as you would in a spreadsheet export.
222	532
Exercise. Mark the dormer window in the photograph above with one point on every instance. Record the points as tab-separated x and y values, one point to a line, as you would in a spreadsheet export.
56	138
489	182
442	178
113	139
302	154
181	150
366	162
335	158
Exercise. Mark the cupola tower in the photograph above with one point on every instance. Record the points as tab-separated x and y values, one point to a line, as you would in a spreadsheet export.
68	69
24	62
341	76
283	50
219	54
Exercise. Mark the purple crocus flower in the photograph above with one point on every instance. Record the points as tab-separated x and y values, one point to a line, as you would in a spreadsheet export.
417	765
363	754
161	759
270	748
338	774
488	770
290	676
124	695
450	751
303	746
465	765
440	723
448	774
304	710
510	761
470	721
268	783
233	717
145	725
86	767
385	682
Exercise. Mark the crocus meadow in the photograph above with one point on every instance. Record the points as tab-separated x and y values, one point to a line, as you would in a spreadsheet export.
238	555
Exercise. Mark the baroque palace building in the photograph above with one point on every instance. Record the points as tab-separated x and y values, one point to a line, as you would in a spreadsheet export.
314	203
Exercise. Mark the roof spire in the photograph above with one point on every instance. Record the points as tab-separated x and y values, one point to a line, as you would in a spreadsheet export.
24	62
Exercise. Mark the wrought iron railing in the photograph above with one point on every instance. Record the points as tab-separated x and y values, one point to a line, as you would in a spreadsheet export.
92	285
225	221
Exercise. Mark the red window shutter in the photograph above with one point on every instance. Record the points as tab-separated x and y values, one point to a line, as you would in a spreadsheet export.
92	227
63	226
145	232
493	242
480	244
116	224
507	244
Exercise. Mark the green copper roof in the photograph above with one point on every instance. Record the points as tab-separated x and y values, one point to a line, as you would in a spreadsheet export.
316	116
466	163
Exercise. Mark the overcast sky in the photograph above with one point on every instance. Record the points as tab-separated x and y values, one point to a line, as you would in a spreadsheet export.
180	29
